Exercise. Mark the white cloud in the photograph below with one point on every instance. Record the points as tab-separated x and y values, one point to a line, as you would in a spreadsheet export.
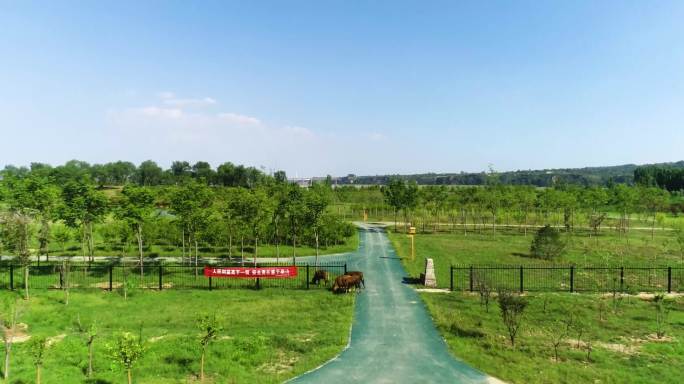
236	118
172	129
189	102
157	112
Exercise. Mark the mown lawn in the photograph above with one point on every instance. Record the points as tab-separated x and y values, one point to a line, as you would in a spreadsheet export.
617	341
269	335
511	247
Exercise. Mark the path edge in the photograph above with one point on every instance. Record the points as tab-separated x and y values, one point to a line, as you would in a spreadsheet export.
349	335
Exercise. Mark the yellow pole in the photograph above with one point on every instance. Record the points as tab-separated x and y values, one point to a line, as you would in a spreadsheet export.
413	248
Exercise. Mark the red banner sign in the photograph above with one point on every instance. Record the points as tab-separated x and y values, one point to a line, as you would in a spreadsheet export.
251	272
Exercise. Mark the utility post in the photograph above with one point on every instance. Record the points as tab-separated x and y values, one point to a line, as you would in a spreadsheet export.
412	235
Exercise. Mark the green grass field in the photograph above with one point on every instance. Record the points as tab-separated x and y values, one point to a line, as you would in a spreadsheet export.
624	347
511	247
268	337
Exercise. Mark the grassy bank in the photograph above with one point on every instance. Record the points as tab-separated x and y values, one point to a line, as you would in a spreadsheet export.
617	341
269	335
511	247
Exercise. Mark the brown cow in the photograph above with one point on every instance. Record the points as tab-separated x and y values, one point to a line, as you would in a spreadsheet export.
344	283
320	275
359	274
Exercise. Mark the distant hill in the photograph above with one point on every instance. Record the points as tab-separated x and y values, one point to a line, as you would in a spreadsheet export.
543	178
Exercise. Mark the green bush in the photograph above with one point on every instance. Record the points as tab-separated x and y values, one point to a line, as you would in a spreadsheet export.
547	244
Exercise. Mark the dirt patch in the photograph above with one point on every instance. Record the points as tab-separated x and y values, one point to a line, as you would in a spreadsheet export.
19	334
282	364
646	296
157	338
55	339
432	290
105	285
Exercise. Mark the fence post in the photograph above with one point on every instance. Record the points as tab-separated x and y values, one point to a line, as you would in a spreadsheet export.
451	278
345	268
111	273
471	278
210	288
161	283
572	279
61	278
622	278
11	271
669	279
521	279
257	284
307	276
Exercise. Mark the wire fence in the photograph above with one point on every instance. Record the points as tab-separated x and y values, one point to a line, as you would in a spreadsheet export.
567	278
158	276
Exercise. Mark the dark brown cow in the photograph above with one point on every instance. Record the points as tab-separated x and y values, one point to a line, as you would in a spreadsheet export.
344	283
320	275
358	274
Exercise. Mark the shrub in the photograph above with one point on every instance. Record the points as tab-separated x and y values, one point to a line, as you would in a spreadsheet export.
547	244
512	307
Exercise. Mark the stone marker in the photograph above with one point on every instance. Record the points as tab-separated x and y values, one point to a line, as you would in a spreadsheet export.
430	279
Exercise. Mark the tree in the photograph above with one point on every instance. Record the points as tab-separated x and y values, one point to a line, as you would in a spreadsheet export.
210	329
662	310
410	201
88	333
316	201
394	196
652	200
149	173
202	171
679	233
191	203
547	243
17	232
126	350
135	207
253	209
43	199
62	234
526	198
295	215
8	324
512	307
279	192
83	206
624	199
38	346
17	228
180	169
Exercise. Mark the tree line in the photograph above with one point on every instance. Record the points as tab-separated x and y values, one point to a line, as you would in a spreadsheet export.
670	178
149	173
494	205
185	214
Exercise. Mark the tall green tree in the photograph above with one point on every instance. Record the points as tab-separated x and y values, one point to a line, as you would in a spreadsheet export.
192	204
296	215
83	207
135	207
316	200
653	200
394	194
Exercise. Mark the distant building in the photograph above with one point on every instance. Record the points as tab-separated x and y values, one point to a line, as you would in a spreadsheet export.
301	181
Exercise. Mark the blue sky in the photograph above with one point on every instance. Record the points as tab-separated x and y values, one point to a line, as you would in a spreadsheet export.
337	87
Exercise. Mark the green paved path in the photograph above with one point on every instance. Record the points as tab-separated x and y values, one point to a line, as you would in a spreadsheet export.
393	338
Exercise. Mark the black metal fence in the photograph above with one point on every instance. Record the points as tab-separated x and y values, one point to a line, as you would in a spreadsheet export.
155	276
568	278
